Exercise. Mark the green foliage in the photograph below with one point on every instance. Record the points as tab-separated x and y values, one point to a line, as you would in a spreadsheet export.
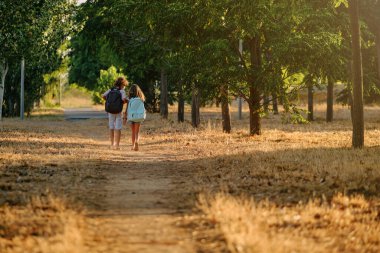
294	116
340	2
196	43
55	82
76	89
52	89
75	96
33	31
370	36
105	82
90	56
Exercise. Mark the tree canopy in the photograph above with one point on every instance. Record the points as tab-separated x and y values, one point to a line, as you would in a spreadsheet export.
195	46
31	30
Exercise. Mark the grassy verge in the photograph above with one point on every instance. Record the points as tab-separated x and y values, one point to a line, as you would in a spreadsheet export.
295	188
44	225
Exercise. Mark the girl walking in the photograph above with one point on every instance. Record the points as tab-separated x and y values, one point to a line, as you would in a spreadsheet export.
135	113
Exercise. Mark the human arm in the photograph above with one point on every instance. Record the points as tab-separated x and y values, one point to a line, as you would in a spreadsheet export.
104	95
124	114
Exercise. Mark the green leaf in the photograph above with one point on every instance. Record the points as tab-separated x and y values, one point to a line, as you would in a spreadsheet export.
340	2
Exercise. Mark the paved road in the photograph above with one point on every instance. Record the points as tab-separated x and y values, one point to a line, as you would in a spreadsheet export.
84	113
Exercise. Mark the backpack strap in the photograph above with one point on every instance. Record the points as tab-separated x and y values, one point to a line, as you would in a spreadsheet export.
113	89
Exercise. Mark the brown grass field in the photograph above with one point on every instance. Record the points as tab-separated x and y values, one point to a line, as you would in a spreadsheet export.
295	188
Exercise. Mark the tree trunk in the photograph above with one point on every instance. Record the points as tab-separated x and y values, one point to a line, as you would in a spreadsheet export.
358	113
155	96
275	103
240	107
226	117
310	102
266	103
181	104
330	100
164	95
11	106
4	71
195	114
378	52
350	71
254	92
22	92
254	112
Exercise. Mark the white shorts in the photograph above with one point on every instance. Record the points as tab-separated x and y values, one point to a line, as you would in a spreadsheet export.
114	121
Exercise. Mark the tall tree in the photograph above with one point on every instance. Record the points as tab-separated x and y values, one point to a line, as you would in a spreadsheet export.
181	103
310	102
195	104
330	100
226	117
33	31
164	95
261	25
358	113
321	27
4	70
371	15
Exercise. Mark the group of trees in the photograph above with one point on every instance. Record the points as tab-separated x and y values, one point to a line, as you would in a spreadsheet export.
189	50
199	52
32	30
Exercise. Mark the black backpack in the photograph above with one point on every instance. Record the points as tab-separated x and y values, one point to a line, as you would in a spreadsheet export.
114	101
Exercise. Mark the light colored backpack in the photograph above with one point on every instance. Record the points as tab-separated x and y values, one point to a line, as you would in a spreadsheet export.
136	110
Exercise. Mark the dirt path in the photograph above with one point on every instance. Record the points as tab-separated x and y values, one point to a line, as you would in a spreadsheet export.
139	212
133	201
279	192
84	113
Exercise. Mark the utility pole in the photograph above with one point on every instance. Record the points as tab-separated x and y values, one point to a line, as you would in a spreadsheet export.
22	89
240	100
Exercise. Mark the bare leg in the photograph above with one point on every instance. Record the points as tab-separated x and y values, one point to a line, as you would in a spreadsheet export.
137	130
117	138
133	135
112	137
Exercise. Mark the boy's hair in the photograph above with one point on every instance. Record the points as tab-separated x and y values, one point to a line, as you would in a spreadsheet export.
135	91
120	81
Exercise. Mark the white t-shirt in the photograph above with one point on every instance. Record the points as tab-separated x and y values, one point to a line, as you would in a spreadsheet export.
123	95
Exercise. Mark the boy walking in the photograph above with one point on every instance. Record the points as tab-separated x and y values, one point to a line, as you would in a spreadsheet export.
115	99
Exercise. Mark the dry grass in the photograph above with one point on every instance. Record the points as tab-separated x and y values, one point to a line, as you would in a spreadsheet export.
341	225
45	225
41	158
48	113
295	188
